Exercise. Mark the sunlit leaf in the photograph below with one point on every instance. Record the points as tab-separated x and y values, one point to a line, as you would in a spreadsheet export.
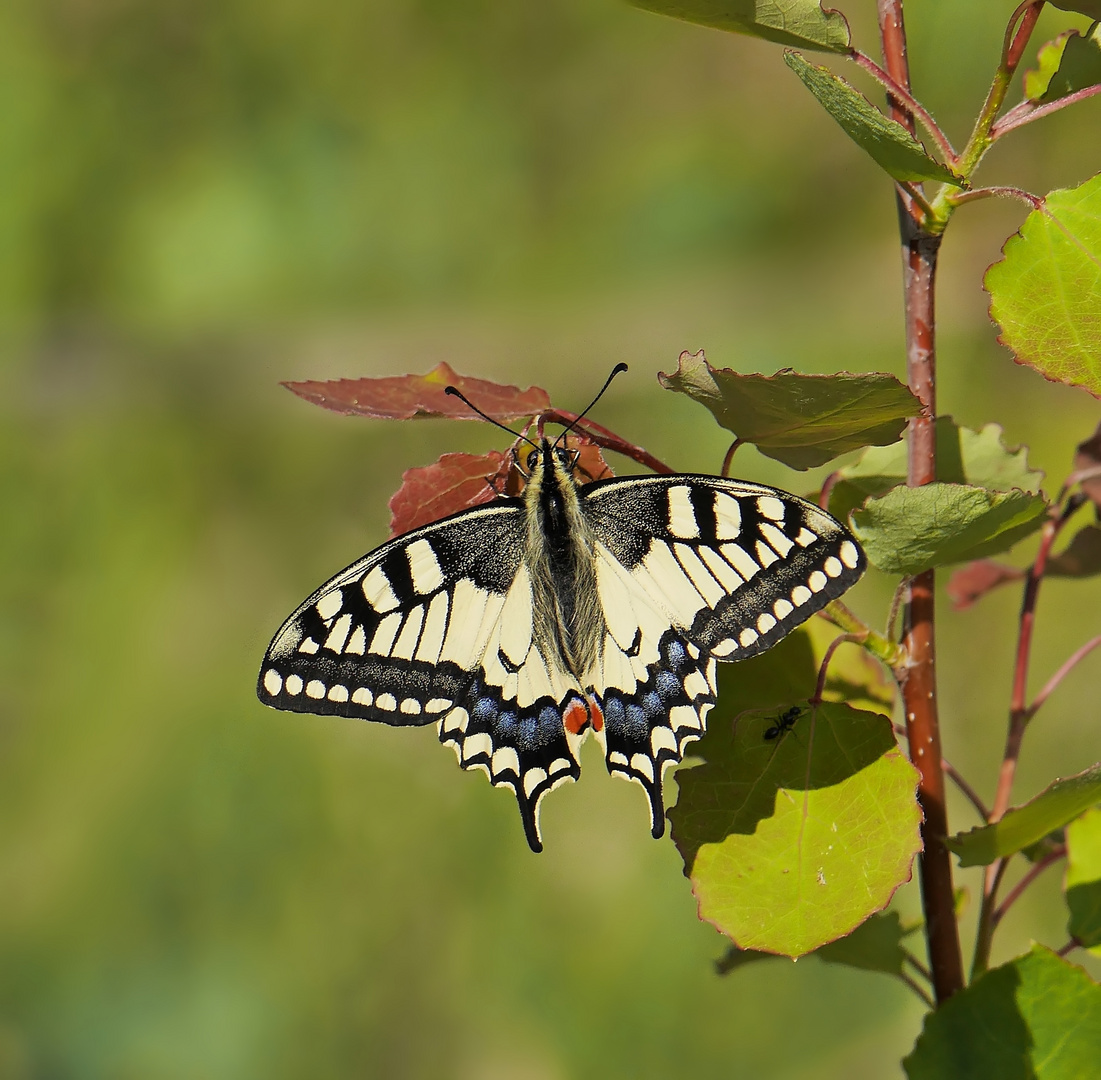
909	530
1045	293
788	22
801	420
978	458
1036	1018
405	397
1069	63
793	841
1083	881
886	141
1054	807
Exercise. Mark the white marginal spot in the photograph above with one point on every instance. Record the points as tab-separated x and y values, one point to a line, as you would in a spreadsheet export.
729	578
456	720
776	538
662	738
273	681
642	764
363	696
411	707
532	779
817	581
695	685
782	608
765	554
740	559
728	517
724	648
293	685
771	507
683	716
476	745
806	537
378	591
765	623
308	645
315	689
385	633
559	765
702	578
424	567
616	758
410	634
833	567
682	515
357	643
748	636
330	603
338	635
435	626
849	555
505	760
338	693
438	704
800	595
386	702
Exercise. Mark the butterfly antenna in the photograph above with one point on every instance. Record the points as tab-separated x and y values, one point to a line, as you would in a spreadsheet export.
455	392
607	382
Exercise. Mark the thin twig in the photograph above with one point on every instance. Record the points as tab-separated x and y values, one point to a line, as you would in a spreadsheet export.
1001	192
904	97
1034	872
909	958
730	457
823	668
965	788
609	440
1061	674
985	935
1026	112
914	193
917	988
1069	947
896	603
827	489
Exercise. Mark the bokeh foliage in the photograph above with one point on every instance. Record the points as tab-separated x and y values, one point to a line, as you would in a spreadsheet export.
200	198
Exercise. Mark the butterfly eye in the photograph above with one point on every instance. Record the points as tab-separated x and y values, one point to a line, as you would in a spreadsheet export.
565	457
533	459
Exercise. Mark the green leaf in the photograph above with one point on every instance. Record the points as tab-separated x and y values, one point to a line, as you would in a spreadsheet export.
788	22
1035	1018
1056	805
1090	8
909	530
875	945
801	420
1045	293
977	458
1069	63
1083	884
886	141
792	842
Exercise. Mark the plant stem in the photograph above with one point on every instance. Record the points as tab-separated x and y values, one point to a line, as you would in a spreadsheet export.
1034	872
1028	111
917	680
985	935
1078	655
609	440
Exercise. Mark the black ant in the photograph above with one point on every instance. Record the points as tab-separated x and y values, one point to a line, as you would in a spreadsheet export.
784	723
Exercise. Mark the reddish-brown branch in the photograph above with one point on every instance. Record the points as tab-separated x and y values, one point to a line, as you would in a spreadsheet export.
996	193
823	668
1028	111
1052	683
917	680
730	457
966	789
1034	872
1018	31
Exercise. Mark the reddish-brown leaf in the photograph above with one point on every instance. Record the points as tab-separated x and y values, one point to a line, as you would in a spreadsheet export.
973	581
459	481
404	397
1087	458
455	482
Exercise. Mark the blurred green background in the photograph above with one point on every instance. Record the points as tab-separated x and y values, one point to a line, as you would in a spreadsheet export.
199	198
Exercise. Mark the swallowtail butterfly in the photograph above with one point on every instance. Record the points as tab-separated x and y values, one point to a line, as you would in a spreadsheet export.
521	625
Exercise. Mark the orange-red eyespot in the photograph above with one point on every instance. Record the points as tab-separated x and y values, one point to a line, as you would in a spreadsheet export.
596	714
576	717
